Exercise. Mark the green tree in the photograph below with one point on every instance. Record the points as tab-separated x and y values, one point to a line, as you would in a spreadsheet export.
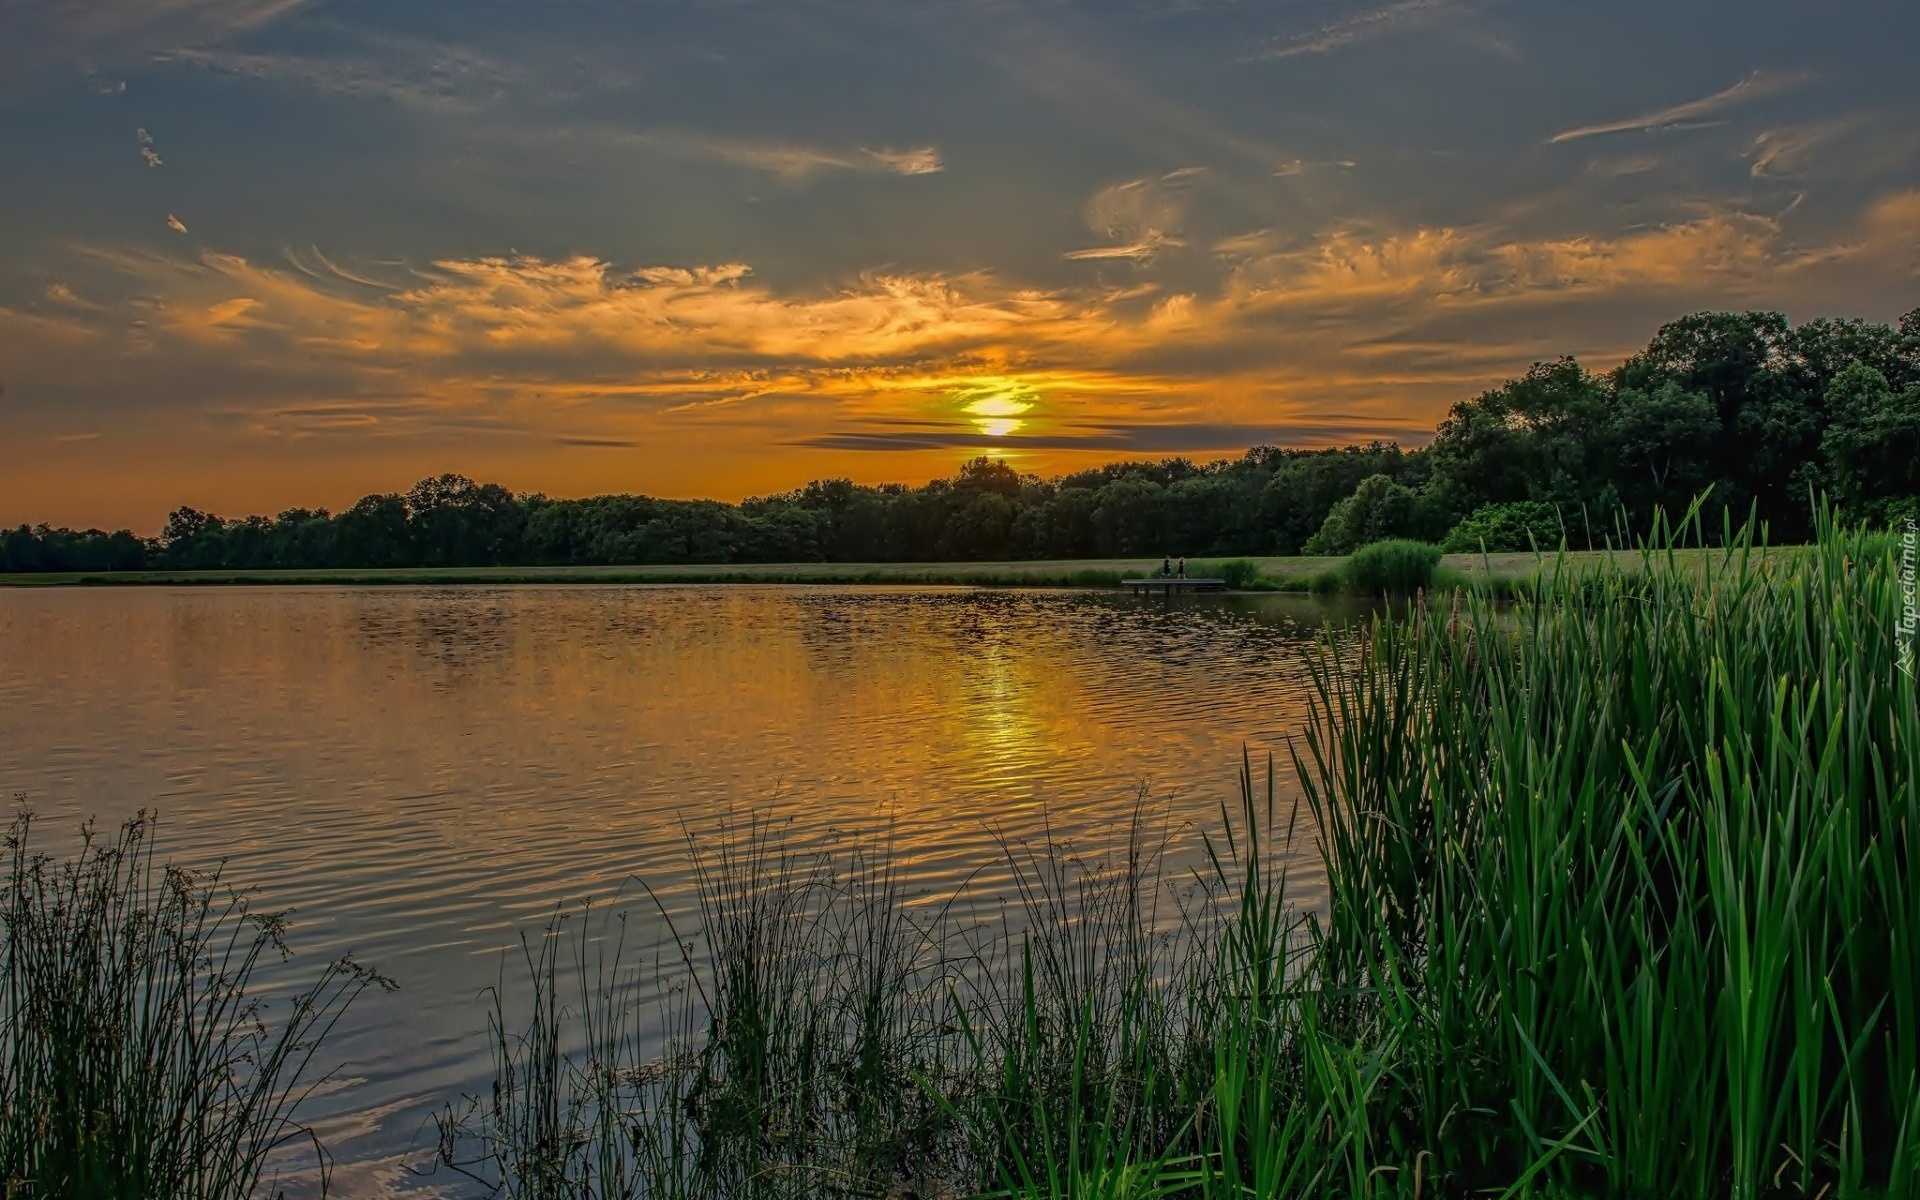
375	533
1665	445
1503	528
1872	446
1379	509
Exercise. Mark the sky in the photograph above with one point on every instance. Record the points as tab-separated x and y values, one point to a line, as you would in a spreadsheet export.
257	254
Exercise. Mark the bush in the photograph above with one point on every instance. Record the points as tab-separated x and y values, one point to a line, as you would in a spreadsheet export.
1397	567
1503	528
1239	573
1901	512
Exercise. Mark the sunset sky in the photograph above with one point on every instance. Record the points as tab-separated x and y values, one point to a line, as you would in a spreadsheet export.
264	253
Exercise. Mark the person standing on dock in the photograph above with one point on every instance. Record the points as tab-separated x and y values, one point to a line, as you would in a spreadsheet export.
1166	567
1183	568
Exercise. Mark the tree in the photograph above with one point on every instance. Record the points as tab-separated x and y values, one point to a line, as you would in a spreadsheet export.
375	533
1872	447
1503	528
1378	509
193	540
1127	518
1665	442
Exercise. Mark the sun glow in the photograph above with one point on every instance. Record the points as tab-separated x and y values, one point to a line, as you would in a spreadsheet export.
996	405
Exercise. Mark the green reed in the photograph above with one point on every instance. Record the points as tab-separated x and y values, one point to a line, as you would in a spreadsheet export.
135	1061
1619	904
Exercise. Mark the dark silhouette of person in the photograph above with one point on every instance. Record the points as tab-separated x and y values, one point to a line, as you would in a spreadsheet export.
1166	567
1183	568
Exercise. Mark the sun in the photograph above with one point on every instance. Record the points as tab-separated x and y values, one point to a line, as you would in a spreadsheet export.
997	405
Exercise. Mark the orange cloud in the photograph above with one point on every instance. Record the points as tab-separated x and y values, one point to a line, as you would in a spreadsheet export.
725	373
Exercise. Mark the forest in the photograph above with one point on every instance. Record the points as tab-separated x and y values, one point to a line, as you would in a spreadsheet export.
1754	413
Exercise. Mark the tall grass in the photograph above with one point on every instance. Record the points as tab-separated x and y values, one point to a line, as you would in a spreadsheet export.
1641	849
1619	904
135	1058
1396	567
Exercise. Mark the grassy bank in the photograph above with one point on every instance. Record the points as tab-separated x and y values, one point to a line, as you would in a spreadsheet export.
1620	905
1498	571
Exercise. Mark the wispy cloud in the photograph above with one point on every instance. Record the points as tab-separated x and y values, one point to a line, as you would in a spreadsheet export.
1756	86
1258	243
1141	251
1361	27
145	142
923	161
1143	216
176	224
1790	150
1143	437
795	162
47	36
599	442
1301	167
413	72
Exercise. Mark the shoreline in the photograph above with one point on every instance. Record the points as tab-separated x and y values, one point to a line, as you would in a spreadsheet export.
1294	574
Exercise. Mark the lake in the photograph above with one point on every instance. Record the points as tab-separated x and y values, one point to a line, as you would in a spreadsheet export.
422	774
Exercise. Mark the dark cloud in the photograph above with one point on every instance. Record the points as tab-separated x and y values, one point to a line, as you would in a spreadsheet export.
1131	439
608	443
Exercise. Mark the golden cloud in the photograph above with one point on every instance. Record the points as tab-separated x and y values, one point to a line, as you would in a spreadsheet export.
580	348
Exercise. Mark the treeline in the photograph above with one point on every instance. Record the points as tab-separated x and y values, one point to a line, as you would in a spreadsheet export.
1744	407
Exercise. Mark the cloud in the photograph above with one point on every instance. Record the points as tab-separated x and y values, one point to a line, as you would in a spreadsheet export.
1353	332
1298	167
1141	251
787	162
1258	243
1791	150
923	161
795	163
1756	86
48	37
681	335
1143	216
64	295
1143	438
715	330
176	224
145	142
1361	27
415	73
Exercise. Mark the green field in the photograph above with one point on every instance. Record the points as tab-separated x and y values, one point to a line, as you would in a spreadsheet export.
1282	574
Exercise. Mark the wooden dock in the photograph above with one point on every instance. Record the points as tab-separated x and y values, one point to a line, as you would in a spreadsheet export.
1168	585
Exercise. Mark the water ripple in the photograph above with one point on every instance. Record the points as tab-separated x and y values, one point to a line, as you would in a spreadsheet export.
421	775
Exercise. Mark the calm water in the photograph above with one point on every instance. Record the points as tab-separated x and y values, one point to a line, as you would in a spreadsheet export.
421	774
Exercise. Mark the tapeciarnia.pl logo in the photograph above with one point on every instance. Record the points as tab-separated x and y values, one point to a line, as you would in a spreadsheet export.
1909	596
